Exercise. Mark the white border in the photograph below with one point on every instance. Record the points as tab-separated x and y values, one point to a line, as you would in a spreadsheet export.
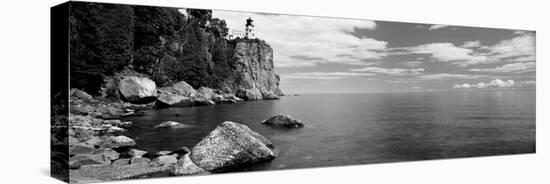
25	90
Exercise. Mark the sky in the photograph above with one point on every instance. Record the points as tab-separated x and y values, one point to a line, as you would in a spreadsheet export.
335	55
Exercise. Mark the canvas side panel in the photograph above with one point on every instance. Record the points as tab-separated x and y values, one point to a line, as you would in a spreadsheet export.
59	84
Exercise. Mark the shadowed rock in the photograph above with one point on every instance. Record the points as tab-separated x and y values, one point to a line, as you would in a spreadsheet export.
284	121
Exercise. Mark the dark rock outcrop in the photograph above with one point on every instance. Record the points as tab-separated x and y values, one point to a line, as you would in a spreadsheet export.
138	89
284	121
229	146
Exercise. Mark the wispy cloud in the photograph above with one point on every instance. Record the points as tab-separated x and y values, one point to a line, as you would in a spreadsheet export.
512	67
325	75
389	71
441	76
437	26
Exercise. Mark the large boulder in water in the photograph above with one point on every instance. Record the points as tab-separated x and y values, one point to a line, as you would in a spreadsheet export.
229	146
249	94
284	121
138	89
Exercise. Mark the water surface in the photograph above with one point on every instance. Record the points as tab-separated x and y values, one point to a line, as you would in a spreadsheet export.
343	129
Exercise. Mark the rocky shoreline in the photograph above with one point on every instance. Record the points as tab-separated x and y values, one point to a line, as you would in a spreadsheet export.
97	150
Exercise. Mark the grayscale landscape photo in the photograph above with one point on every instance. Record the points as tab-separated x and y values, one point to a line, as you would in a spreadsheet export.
160	91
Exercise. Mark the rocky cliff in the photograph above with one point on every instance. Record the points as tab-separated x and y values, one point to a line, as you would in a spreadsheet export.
167	46
253	68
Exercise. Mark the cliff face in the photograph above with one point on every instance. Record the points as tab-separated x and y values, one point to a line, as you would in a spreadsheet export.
253	68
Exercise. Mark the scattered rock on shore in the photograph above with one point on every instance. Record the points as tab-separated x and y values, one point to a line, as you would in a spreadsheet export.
169	99
117	141
136	153
284	121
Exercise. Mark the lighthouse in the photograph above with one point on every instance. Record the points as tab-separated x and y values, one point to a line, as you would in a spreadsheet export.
249	29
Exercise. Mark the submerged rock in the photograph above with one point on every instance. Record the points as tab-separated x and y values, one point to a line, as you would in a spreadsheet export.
138	89
172	124
284	121
229	146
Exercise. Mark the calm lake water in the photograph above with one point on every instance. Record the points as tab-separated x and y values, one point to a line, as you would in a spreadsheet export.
343	129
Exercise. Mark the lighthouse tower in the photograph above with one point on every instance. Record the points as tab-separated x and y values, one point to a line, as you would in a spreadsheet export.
249	30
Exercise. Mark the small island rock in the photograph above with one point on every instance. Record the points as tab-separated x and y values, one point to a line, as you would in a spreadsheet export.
284	121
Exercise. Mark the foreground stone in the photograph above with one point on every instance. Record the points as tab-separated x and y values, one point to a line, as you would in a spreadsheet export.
138	89
229	146
185	167
284	121
115	172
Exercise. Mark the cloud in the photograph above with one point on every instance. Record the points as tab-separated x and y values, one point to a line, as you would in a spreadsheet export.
413	63
472	44
497	83
519	48
326	39
445	52
325	75
521	45
441	76
437	26
389	71
512	67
